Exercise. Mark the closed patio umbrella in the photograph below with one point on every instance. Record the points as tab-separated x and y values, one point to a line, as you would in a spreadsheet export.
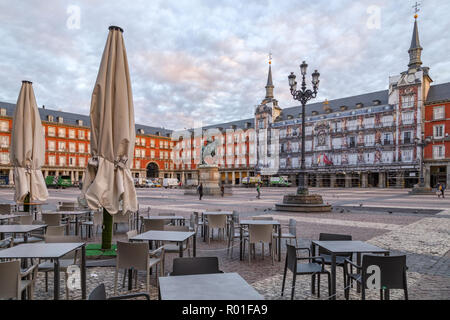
108	182
28	148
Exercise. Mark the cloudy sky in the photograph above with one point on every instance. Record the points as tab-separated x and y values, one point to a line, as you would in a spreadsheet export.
206	60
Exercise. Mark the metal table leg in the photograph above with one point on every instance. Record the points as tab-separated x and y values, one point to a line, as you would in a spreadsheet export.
194	245
83	273
56	279
333	276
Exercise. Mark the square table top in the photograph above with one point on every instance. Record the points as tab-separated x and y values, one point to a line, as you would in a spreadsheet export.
259	222
216	213
20	228
215	286
40	250
349	247
164	218
153	235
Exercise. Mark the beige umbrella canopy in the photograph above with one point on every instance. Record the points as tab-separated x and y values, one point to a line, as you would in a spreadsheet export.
28	148
108	178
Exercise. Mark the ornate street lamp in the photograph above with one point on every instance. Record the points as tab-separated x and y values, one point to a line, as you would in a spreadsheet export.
303	95
422	143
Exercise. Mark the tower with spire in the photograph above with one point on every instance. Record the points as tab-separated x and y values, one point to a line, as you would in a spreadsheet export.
415	50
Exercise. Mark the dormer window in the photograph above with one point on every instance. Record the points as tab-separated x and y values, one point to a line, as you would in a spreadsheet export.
60	120
315	113
359	105
50	118
80	122
290	117
376	102
3	112
343	108
141	131
157	133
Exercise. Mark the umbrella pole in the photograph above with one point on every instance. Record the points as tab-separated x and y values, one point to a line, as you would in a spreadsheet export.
107	230
26	207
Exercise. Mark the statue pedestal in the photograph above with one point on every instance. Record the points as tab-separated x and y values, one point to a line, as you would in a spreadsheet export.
209	176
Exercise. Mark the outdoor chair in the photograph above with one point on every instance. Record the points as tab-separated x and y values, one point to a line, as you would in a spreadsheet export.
215	222
157	225
172	247
55	231
290	235
135	256
99	293
167	222
120	217
12	282
392	274
339	258
259	234
153	254
198	265
26	219
94	223
192	224
199	222
64	263
5	208
235	233
312	268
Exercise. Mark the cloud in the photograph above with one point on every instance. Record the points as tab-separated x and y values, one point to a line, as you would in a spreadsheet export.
207	60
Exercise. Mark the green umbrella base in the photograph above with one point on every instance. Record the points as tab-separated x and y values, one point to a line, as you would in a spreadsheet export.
95	250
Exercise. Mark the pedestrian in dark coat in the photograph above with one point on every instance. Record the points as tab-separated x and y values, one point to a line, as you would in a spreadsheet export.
200	191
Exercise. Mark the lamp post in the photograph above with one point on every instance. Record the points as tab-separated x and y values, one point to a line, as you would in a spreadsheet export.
422	143
303	95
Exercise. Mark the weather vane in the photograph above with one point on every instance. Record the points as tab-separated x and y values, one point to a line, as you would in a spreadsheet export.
270	57
416	8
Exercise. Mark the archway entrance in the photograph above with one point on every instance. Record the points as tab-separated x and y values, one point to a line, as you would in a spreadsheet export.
152	170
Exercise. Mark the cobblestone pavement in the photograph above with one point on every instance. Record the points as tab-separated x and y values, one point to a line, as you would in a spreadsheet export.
424	237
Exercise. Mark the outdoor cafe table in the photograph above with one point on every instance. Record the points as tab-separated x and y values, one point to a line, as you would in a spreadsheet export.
172	236
53	251
259	222
77	214
215	286
345	247
19	228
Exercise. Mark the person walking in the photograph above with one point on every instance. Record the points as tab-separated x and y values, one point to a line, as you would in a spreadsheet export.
442	189
439	189
200	191
222	190
258	189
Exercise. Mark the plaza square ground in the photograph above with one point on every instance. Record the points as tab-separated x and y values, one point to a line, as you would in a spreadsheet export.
418	226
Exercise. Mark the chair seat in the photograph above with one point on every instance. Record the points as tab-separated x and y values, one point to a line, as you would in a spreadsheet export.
309	268
327	259
48	266
153	261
